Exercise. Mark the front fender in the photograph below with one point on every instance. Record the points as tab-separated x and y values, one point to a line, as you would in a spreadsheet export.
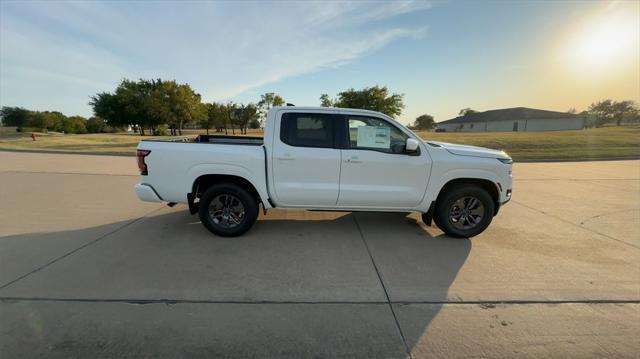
455	174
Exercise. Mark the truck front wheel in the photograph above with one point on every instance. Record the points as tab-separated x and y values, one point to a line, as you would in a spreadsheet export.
465	210
227	210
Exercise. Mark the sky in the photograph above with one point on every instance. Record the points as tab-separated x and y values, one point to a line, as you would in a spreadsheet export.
442	55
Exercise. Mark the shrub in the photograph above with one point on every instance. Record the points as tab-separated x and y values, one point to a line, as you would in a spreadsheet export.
160	131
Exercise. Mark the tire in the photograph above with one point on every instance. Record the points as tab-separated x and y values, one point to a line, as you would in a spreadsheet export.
227	210
464	210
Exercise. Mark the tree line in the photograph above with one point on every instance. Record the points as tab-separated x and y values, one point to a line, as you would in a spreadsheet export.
608	112
155	106
52	121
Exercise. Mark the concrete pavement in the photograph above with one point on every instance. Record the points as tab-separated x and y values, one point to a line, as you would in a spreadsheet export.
88	270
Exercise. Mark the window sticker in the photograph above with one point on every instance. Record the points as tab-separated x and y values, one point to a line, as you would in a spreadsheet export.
374	137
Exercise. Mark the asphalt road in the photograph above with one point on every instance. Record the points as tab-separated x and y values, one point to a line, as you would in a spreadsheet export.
86	270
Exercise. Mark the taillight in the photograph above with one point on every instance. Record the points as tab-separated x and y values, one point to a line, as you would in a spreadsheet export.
141	154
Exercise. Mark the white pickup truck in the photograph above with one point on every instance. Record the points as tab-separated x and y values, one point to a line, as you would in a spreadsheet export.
320	158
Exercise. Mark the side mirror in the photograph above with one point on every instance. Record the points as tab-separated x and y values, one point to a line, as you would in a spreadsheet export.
412	145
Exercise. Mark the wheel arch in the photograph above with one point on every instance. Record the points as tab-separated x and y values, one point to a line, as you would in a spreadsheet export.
203	182
203	176
488	185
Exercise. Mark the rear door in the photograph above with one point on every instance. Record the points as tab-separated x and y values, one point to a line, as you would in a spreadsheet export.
376	171
306	164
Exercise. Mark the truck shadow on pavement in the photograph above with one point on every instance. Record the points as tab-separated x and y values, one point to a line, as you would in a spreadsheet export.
358	284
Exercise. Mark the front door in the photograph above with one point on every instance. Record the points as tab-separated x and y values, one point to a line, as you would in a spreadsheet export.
306	166
375	170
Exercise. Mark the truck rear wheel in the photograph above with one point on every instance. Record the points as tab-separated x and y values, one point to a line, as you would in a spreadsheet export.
465	210
227	210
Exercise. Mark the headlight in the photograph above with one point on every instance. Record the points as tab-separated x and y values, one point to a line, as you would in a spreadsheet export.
506	161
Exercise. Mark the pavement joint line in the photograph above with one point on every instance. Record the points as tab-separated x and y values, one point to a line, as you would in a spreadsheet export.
338	302
72	173
608	214
384	288
576	225
78	249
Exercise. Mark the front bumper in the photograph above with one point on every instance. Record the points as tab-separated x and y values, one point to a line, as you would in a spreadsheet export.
146	193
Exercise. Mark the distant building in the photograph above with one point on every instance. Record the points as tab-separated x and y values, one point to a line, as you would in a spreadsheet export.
514	119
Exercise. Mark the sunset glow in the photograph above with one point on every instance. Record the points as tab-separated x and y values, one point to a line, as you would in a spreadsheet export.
606	41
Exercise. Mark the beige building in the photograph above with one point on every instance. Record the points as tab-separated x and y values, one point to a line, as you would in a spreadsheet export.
514	119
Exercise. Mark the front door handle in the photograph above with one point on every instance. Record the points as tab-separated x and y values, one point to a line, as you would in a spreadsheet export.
353	159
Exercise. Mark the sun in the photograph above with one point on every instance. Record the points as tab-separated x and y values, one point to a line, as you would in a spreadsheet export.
604	41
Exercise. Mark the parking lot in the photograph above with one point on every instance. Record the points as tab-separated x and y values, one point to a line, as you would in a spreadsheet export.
87	270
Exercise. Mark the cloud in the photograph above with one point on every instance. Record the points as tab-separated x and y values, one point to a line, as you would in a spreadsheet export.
66	51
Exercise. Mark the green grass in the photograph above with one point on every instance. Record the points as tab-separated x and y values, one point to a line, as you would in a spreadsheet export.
89	143
601	143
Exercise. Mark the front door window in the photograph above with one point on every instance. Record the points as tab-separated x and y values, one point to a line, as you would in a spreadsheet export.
375	134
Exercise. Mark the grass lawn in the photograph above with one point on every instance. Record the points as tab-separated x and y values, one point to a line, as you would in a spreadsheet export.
597	143
601	143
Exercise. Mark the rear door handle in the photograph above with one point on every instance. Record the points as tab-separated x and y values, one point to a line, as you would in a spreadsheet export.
353	159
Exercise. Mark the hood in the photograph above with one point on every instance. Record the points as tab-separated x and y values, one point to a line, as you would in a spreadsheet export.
463	150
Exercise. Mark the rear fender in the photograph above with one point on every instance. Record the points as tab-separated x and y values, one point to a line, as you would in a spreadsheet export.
231	170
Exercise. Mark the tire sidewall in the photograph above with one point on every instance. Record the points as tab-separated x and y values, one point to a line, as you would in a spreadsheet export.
443	204
249	203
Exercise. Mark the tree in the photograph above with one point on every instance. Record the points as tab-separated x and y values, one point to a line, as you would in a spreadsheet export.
572	111
75	124
96	125
217	117
374	98
232	114
325	101
602	112
267	101
248	114
107	106
178	104
466	111
14	116
622	108
254	124
40	120
207	121
127	106
149	103
55	121
424	122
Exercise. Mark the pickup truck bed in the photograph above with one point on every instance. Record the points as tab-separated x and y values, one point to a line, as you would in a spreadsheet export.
220	139
230	140
177	164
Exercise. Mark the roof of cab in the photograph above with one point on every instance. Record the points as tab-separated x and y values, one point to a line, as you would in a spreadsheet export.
328	109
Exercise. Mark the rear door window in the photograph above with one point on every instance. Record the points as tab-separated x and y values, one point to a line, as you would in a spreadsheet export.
307	130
